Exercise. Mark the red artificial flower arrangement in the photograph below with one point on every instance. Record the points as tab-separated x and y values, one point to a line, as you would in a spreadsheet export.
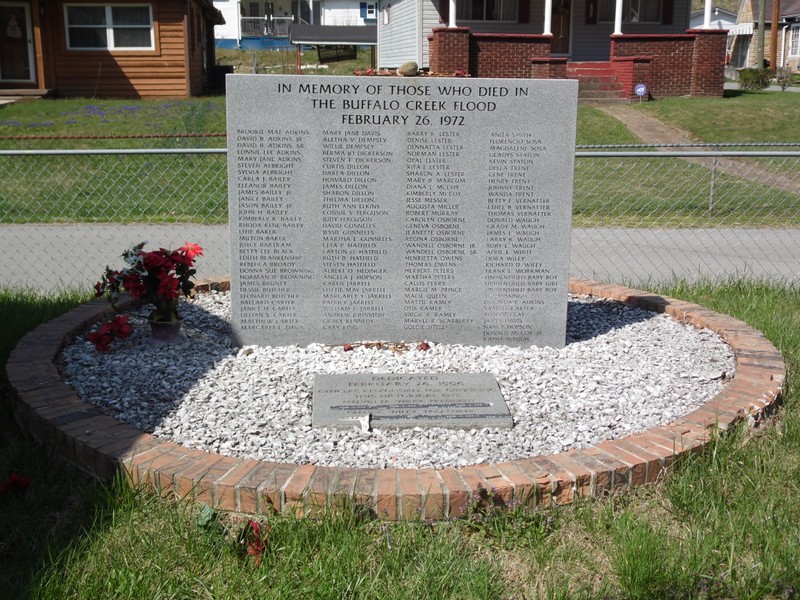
15	485
157	277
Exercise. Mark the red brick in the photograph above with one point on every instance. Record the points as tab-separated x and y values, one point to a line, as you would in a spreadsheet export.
189	480
251	488
224	487
386	494
457	493
409	499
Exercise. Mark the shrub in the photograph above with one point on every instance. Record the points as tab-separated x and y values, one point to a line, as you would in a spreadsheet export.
783	76
754	79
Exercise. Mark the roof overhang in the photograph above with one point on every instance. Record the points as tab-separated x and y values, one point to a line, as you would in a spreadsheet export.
334	35
741	29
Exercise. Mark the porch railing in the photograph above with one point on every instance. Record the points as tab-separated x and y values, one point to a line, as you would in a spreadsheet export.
258	26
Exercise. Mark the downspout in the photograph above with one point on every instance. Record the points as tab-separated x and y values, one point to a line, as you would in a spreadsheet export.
783	44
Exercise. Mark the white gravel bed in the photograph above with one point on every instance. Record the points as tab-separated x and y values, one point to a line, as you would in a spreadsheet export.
623	370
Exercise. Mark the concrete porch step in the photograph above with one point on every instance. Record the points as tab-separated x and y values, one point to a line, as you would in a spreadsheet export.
596	80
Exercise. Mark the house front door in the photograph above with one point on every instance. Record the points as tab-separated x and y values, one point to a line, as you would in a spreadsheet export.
16	43
561	27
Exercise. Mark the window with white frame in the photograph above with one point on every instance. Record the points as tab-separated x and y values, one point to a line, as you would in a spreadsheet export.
633	11
487	10
794	40
109	26
369	11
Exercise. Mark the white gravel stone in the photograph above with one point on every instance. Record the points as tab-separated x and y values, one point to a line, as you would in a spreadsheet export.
622	371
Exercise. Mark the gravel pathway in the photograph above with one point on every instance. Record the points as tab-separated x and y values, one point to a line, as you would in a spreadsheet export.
623	370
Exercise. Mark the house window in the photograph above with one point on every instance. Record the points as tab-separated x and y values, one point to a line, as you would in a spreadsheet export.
633	11
487	10
109	27
369	12
794	40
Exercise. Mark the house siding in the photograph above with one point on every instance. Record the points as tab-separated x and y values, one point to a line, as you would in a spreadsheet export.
343	13
430	19
162	72
230	11
397	40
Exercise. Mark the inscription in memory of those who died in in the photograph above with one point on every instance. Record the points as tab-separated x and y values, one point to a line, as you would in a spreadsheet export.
383	208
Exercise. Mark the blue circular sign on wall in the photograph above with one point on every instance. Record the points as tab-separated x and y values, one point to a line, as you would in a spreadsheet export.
640	89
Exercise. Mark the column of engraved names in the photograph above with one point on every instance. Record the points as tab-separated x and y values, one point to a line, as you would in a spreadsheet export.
515	277
435	228
266	161
355	236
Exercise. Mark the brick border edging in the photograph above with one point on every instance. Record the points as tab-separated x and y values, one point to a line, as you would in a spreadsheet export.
53	413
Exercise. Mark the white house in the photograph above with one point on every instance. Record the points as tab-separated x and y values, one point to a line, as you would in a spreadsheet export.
270	20
720	18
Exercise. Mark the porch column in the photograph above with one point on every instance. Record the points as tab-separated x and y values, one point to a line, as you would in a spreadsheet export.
451	14
707	15
618	18
311	11
548	17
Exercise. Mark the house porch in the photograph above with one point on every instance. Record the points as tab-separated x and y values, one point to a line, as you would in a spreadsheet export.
690	63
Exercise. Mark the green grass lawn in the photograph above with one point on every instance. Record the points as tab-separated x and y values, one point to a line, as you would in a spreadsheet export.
724	524
738	117
284	62
608	192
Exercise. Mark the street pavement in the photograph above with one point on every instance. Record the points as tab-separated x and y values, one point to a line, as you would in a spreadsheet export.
55	256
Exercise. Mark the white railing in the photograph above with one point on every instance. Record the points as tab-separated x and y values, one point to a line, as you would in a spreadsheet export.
258	26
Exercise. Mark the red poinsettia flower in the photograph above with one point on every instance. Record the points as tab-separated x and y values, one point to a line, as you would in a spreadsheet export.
15	485
134	285
191	250
120	327
169	287
101	338
256	538
157	277
157	260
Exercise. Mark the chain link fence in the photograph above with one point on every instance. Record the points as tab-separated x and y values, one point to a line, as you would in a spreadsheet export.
641	214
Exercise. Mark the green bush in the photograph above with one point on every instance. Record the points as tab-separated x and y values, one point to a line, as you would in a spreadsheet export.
754	79
783	77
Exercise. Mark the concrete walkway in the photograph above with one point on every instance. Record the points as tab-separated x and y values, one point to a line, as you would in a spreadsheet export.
651	130
49	257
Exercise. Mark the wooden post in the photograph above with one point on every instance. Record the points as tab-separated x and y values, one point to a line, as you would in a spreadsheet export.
762	11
